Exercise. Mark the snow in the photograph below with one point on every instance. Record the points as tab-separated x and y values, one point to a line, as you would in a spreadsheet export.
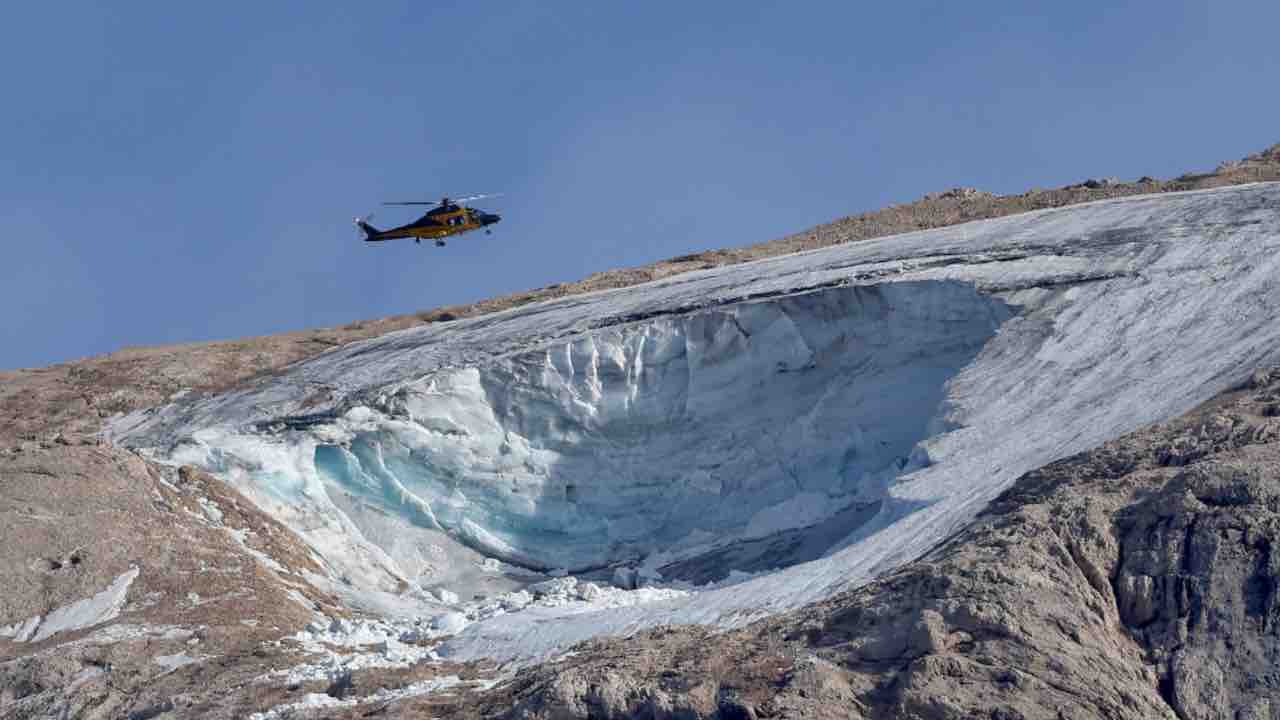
316	701
894	385
342	646
88	612
241	537
122	632
175	661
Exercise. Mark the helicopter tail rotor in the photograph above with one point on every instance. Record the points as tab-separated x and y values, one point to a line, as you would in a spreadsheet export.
369	231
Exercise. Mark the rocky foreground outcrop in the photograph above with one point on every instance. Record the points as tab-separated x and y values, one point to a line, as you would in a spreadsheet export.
1138	580
136	589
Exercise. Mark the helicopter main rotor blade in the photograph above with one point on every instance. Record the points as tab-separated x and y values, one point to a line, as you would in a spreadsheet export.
455	201
470	198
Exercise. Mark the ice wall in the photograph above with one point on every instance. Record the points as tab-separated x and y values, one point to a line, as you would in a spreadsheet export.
676	434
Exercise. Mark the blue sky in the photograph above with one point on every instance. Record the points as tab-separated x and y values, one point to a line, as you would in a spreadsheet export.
179	172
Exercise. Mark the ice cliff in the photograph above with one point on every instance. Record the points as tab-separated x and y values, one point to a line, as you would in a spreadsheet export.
813	419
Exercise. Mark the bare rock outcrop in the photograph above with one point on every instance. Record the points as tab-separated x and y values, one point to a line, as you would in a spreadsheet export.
129	588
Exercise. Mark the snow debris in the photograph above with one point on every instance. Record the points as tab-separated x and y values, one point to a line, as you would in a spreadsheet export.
449	623
211	510
564	592
315	701
346	645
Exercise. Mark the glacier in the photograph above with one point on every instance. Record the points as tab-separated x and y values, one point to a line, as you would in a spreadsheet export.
780	430
657	436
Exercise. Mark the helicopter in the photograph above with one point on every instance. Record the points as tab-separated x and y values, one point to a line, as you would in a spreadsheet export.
446	218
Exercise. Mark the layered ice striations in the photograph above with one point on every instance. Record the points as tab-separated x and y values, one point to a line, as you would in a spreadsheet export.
675	434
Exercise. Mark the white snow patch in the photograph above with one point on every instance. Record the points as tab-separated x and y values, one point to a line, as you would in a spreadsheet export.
211	510
176	660
88	612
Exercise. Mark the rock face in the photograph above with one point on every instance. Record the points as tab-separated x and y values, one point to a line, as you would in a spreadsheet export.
1125	582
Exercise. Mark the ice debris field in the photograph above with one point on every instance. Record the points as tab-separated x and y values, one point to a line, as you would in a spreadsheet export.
740	440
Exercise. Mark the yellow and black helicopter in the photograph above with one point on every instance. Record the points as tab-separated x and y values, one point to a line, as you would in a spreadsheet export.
446	218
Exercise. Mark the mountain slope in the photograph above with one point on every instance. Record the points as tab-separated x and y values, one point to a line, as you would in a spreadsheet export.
671	422
397	509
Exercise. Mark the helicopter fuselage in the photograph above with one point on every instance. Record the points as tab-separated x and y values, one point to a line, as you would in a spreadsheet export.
439	223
